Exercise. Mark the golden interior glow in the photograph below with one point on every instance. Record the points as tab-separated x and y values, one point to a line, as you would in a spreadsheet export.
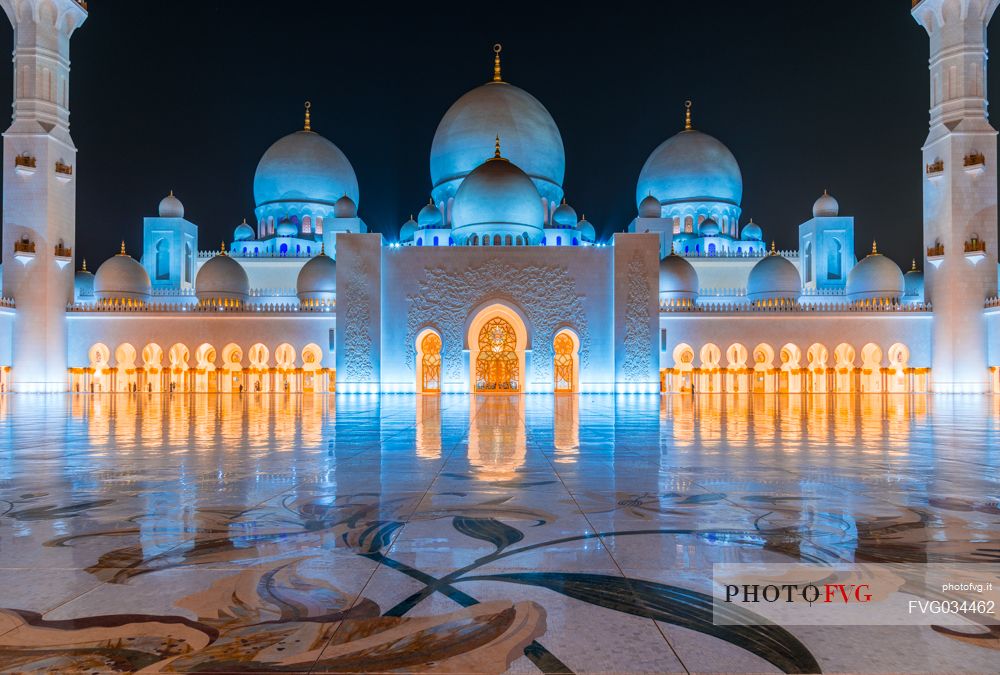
430	348
497	366
563	346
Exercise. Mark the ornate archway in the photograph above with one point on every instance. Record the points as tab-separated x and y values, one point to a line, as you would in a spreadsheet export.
565	361
497	364
429	351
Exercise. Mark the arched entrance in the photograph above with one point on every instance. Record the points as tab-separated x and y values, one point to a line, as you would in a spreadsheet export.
565	362
497	364
429	362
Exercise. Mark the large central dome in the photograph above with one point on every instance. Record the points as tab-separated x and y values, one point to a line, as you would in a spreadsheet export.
304	167
691	167
496	200
465	136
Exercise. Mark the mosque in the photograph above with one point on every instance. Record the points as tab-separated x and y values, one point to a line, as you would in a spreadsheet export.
499	284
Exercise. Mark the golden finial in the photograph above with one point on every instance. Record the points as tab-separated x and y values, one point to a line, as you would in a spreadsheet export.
122	252
687	115
430	201
244	220
874	247
496	150
171	193
308	126
913	266
773	250
85	264
322	248
222	248
497	48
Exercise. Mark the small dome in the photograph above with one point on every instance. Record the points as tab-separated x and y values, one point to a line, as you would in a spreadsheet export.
586	230
317	279
345	208
171	207
709	228
83	284
429	216
752	232
774	278
304	167
222	278
496	196
243	232
122	278
875	278
678	279
913	284
826	206
649	207
286	228
564	215
408	229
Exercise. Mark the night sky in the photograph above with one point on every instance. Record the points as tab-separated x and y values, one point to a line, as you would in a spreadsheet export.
188	95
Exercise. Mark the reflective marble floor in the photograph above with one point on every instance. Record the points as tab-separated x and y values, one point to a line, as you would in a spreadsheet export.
473	534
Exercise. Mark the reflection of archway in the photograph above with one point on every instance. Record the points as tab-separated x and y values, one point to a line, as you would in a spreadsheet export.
497	442
232	357
204	375
429	362
565	361
763	360
497	338
710	377
284	355
257	375
790	374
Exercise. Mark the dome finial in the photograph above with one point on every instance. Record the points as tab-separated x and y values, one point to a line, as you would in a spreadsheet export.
322	248
497	48
687	115
85	264
913	265
773	250
496	151
874	247
308	126
122	252
222	248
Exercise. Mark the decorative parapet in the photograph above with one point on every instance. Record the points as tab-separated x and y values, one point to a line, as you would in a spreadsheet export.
82	3
64	169
173	292
189	308
993	302
24	245
871	306
935	251
7	302
975	245
935	168
824	292
722	293
734	254
63	251
974	160
273	293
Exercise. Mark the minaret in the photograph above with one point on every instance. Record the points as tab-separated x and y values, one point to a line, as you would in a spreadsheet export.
960	192
39	185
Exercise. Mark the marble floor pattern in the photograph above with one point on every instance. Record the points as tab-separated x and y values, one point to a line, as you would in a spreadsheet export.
478	534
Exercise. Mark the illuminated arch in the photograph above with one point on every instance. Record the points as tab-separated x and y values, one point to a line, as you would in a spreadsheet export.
152	362
737	373
500	329
100	364
312	366
899	364
817	358
844	356
790	371
284	357
871	369
257	376
566	361
763	365
204	376
710	377
683	367
428	360
126	378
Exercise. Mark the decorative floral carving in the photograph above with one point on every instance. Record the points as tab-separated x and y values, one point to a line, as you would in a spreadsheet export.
546	293
356	305
636	342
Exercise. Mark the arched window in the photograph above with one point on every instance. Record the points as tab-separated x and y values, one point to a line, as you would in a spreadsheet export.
739	250
256	251
309	250
162	260
558	241
496	239
420	241
543	241
435	240
284	249
808	263
244	250
430	366
188	263
563	361
711	249
576	242
834	260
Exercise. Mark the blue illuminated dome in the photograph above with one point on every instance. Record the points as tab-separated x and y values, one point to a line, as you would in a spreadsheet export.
465	135
709	228
752	232
913	283
286	228
429	216
875	278
586	230
691	167
407	230
498	198
243	232
649	207
564	215
304	167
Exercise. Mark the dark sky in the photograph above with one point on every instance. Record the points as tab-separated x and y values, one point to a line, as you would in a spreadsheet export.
186	95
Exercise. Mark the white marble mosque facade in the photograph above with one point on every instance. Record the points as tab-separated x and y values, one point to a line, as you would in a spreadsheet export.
497	275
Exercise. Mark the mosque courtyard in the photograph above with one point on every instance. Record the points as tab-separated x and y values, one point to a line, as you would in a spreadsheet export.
316	533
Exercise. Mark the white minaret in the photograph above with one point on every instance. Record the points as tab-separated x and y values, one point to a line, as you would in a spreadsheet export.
960	192
39	185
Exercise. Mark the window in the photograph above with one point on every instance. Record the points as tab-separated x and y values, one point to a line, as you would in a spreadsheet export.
435	240
188	263
558	241
497	364
808	263
333	339
834	260
162	260
430	348
663	339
